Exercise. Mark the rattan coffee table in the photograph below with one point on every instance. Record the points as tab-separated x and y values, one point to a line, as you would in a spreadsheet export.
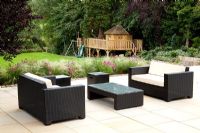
124	97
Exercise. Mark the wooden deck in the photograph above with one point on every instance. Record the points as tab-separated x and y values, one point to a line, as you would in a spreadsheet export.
110	45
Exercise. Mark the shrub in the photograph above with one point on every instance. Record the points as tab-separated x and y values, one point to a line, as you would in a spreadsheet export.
122	64
88	65
115	65
14	72
2	77
169	54
147	55
192	52
196	42
71	68
104	65
45	69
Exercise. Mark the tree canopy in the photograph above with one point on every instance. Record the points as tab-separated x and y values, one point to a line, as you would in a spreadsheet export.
14	17
61	21
159	23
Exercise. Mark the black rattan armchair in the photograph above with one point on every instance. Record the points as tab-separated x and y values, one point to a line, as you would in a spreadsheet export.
176	85
50	104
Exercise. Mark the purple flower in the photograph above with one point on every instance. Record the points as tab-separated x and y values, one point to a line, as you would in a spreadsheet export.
71	68
48	67
109	64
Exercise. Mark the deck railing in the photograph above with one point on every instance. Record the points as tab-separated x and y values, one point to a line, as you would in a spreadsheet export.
109	45
96	43
119	45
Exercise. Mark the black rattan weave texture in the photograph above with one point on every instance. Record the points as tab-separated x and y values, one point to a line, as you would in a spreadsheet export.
176	85
50	104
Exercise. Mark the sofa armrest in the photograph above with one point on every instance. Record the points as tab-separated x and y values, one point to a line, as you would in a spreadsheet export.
64	91
52	78
65	101
180	84
138	70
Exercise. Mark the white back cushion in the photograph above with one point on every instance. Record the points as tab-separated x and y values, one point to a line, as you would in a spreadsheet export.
47	81
149	79
160	68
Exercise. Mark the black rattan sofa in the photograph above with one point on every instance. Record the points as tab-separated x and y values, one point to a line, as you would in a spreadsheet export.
175	85
50	104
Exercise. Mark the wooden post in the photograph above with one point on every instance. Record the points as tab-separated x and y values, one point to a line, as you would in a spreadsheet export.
89	52
107	53
97	52
134	50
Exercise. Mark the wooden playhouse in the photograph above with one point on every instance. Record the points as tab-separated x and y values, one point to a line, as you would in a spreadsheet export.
116	39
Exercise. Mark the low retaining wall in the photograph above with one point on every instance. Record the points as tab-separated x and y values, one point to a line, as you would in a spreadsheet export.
189	61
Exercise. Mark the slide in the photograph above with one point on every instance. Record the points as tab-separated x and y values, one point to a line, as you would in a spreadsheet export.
80	51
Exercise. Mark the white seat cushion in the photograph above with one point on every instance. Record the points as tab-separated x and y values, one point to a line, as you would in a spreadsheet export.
47	81
149	79
55	86
160	68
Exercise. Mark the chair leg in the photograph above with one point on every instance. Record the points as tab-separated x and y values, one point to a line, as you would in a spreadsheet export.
81	117
168	100
47	123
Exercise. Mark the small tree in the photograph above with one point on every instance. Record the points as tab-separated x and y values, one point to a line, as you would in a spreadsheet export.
14	17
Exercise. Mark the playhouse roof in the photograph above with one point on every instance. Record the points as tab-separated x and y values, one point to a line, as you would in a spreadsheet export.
116	30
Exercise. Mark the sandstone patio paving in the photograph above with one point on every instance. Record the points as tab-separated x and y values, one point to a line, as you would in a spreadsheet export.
155	116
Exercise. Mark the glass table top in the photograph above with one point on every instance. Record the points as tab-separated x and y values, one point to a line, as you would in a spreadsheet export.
115	88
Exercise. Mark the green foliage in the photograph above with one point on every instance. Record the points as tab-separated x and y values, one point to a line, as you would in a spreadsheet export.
193	52
86	66
96	17
169	54
196	42
123	64
75	69
148	55
63	20
35	56
60	23
15	16
142	19
30	39
3	77
158	23
180	23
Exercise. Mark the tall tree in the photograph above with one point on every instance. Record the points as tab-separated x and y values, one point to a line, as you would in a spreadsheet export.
144	17
96	17
181	22
14	17
61	21
117	10
189	19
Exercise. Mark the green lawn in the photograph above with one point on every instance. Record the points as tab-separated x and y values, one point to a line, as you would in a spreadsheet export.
36	56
